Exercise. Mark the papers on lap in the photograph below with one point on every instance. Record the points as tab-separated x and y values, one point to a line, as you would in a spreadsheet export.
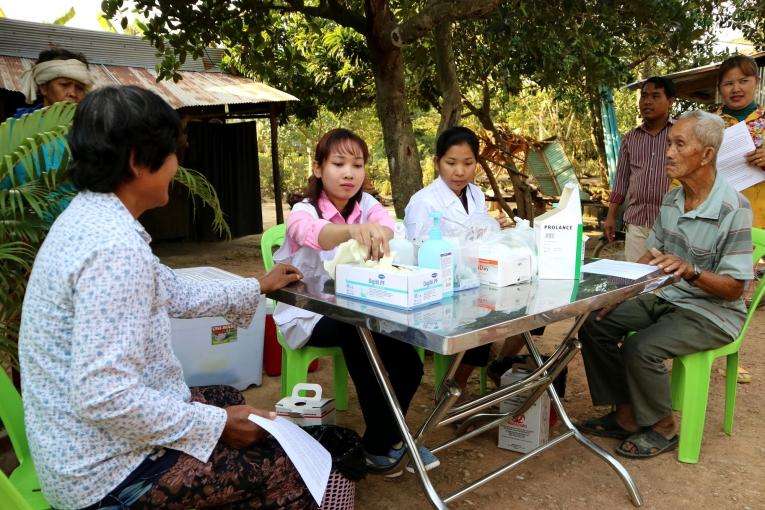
310	458
731	159
631	270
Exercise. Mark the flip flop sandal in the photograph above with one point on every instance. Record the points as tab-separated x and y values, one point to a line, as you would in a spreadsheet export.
648	443
605	426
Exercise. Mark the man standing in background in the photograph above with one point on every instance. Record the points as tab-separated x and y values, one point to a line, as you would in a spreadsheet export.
641	178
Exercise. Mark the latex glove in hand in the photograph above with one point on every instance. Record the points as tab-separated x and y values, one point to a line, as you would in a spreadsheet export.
351	252
372	237
348	252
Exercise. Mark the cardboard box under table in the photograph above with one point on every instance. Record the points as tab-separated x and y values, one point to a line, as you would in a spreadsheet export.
411	288
529	430
213	351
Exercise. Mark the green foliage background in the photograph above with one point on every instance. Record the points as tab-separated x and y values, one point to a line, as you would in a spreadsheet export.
533	111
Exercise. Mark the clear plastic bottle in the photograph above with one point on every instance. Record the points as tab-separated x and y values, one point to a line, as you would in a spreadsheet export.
402	246
525	231
438	254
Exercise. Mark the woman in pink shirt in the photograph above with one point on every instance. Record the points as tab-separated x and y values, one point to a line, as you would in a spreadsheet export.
335	211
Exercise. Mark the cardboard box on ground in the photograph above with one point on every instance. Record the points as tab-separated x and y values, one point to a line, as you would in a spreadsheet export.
529	430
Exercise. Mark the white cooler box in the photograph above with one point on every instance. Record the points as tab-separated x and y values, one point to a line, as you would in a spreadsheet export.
213	351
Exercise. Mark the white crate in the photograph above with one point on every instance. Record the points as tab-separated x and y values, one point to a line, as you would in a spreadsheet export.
211	350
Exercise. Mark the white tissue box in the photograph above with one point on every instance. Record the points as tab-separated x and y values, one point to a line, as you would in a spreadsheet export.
304	411
401	289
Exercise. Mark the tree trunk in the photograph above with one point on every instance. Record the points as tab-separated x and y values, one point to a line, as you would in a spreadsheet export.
598	138
392	108
522	190
451	104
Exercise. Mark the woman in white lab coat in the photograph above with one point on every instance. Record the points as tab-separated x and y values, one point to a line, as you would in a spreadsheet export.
455	196
453	193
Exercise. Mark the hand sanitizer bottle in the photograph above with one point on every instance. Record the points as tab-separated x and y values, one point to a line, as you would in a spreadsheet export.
402	246
438	254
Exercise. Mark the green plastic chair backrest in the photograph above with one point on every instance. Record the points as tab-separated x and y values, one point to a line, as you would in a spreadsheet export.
756	298
272	238
758	240
11	497
12	414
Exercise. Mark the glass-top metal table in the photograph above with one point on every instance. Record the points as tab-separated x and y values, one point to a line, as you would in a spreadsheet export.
469	319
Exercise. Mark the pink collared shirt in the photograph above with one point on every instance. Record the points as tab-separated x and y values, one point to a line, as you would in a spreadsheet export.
303	228
301	249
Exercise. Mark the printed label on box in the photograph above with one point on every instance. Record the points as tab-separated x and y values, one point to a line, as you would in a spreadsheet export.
223	334
524	432
410	288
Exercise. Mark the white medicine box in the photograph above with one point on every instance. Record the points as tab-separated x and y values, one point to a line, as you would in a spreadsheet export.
213	351
308	410
529	430
411	287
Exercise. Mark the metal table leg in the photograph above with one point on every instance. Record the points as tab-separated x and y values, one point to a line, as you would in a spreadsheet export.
637	500
412	452
447	399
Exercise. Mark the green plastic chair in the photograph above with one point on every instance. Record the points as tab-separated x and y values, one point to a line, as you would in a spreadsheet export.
295	362
23	479
11	496
691	376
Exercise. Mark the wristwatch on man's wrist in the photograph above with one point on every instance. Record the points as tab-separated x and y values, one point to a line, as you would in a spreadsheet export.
696	274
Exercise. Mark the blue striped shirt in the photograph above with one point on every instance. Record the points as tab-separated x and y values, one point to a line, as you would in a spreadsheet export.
717	236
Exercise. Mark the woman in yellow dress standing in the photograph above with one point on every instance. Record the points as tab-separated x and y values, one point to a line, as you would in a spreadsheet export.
738	80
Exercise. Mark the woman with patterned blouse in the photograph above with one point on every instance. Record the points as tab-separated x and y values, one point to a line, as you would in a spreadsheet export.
110	420
738	80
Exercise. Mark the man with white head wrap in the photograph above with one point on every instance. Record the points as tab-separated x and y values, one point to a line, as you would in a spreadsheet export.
58	75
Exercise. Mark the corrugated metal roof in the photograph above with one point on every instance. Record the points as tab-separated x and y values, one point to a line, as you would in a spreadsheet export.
118	59
195	89
26	39
700	83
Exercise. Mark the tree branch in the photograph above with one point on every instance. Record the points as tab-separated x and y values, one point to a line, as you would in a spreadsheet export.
495	187
327	9
437	12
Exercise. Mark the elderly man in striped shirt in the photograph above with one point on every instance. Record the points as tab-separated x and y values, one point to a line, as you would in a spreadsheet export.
640	176
703	237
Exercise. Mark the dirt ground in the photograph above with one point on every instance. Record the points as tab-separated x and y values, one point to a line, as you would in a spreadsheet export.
729	475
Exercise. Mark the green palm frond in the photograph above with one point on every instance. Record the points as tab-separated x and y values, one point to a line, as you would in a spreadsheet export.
199	187
34	164
13	254
14	131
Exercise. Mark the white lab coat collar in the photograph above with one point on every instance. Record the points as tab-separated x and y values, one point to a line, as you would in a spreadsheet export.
450	200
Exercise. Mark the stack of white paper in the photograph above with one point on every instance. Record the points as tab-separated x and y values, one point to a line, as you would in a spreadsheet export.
310	458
